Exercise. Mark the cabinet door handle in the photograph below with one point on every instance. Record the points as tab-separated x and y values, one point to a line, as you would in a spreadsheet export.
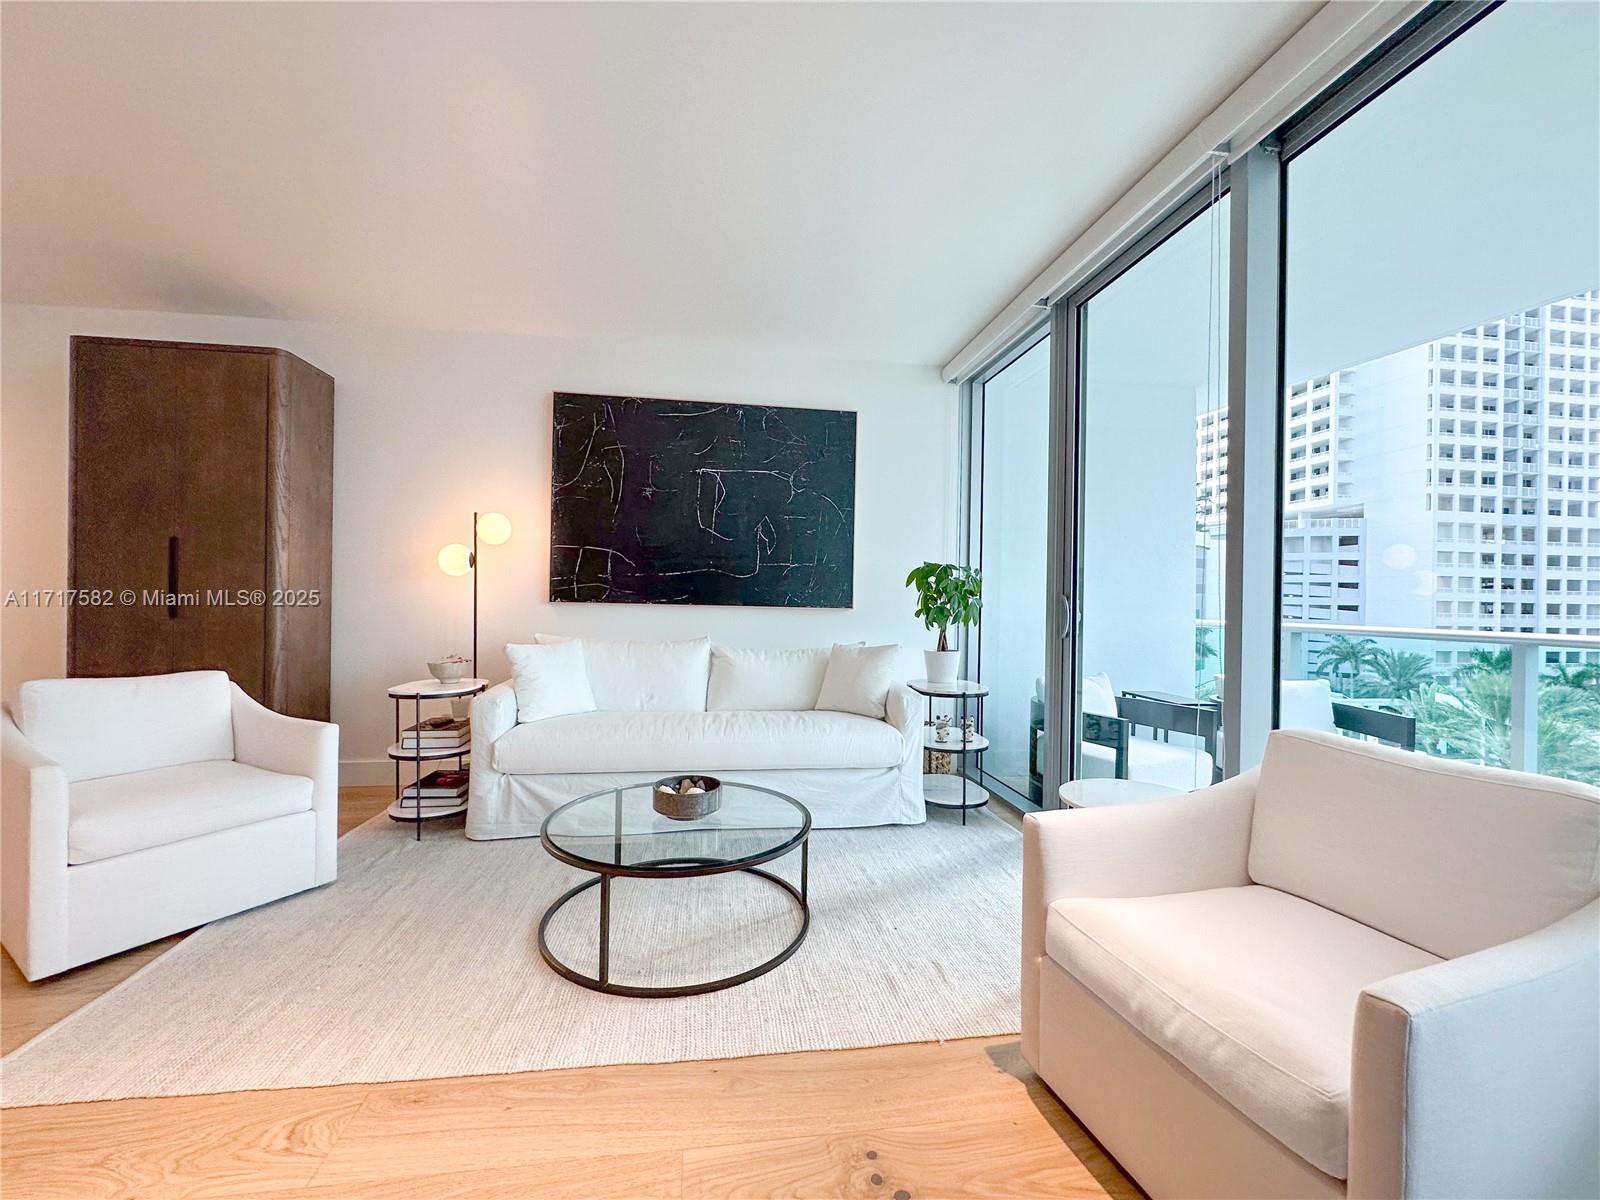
172	577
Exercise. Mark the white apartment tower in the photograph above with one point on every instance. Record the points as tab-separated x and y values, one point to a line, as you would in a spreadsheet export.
1453	485
1514	425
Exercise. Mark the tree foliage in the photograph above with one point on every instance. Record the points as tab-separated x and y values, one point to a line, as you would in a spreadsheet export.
1343	659
1398	673
1470	719
1467	714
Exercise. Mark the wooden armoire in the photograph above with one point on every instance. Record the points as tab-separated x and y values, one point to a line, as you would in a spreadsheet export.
202	488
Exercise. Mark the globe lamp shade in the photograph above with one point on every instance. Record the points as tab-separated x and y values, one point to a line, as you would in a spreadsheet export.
455	559
494	529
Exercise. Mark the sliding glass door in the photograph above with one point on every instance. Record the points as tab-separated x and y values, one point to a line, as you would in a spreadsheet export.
1011	422
1152	452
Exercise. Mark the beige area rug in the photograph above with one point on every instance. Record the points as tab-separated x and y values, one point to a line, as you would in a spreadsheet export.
421	963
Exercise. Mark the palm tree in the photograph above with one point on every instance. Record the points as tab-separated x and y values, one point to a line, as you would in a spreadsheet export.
1399	672
1344	659
1205	647
1493	661
1584	678
1471	719
1453	725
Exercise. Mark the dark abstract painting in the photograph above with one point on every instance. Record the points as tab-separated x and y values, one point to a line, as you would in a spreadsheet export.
680	502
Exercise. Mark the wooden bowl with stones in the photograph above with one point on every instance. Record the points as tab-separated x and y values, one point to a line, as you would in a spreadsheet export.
687	797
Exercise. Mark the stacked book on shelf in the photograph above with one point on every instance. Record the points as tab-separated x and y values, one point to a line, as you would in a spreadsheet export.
438	789
438	733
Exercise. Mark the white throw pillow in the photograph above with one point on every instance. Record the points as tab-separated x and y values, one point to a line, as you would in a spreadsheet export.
1099	696
644	676
549	681
765	680
1306	704
858	679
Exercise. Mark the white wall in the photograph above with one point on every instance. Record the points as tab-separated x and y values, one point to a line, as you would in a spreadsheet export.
429	427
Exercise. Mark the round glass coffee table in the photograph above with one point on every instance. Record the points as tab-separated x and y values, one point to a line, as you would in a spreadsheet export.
617	833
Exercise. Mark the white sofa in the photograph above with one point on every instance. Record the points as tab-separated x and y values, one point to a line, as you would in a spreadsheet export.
135	808
1355	971
662	708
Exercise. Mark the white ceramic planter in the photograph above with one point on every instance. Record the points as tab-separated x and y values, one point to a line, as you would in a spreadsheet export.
941	665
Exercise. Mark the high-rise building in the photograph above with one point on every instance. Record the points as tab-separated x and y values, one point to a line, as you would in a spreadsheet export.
1452	485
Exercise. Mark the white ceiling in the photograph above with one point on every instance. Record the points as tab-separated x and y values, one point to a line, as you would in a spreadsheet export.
850	180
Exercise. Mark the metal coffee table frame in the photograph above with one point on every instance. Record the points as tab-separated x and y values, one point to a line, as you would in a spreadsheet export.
671	868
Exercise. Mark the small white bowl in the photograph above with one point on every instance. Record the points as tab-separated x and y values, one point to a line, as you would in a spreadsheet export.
448	672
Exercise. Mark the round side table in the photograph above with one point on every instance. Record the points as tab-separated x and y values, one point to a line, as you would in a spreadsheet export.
416	691
950	791
1105	793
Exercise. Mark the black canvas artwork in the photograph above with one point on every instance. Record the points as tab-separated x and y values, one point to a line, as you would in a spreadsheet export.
681	502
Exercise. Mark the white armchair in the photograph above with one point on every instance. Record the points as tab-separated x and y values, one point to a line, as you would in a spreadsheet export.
1355	972
135	808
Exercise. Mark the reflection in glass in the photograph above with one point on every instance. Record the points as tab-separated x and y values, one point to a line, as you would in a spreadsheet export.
1014	415
1154	506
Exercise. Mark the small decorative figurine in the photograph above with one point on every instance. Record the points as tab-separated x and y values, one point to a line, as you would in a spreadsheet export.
941	728
969	729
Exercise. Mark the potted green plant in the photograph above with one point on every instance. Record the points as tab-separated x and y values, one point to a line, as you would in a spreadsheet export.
948	596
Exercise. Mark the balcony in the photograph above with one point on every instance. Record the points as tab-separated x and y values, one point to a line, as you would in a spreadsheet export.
1478	695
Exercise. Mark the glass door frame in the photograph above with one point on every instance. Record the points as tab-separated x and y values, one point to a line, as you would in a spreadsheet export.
1063	614
971	508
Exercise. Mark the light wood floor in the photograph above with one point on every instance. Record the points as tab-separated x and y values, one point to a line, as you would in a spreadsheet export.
920	1122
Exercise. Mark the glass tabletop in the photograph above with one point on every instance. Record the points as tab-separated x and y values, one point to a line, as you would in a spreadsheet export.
950	689
618	830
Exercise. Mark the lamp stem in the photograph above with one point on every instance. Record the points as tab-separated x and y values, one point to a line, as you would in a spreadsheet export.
474	595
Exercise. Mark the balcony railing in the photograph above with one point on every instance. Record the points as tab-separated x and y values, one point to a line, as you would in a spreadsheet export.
1448	702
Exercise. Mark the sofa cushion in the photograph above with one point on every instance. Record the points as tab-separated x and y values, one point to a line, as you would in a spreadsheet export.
644	676
1099	696
858	679
96	727
549	681
765	680
712	741
1449	856
119	814
1306	704
1252	989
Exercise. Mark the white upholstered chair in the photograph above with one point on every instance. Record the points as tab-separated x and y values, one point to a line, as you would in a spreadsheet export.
1355	971
135	808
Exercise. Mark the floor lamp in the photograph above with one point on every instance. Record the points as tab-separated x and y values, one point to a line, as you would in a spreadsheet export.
455	559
